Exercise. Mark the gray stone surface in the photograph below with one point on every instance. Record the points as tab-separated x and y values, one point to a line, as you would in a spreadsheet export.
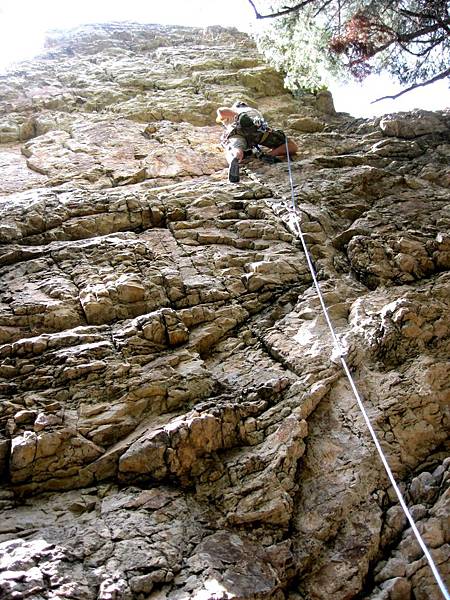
174	421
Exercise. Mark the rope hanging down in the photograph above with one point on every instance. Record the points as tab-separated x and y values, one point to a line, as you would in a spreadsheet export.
340	351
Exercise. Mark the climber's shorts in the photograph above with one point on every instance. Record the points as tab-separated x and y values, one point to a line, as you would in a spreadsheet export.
236	142
275	138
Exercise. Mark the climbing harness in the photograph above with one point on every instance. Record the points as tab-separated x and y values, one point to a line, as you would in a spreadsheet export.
254	128
258	153
340	353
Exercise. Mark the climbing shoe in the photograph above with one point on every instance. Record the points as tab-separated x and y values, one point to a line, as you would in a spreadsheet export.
233	171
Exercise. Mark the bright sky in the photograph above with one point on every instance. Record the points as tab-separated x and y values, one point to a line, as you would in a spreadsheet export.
23	24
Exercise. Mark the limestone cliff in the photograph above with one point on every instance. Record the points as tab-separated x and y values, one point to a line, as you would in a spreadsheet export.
173	424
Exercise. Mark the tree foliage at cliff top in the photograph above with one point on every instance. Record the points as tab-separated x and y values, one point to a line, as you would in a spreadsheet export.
313	40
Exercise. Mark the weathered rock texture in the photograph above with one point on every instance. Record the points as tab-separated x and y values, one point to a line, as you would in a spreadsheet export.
173	423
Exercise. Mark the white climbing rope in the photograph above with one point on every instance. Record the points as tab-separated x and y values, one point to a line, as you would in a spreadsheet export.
341	353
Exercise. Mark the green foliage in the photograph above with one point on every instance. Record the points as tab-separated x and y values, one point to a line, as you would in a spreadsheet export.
297	46
325	40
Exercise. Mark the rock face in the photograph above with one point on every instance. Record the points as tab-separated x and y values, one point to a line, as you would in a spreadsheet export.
174	424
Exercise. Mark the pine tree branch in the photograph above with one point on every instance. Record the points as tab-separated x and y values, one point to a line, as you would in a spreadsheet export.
401	39
441	75
321	8
408	37
427	50
280	13
442	21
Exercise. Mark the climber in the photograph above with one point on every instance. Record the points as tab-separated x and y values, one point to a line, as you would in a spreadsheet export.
246	129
